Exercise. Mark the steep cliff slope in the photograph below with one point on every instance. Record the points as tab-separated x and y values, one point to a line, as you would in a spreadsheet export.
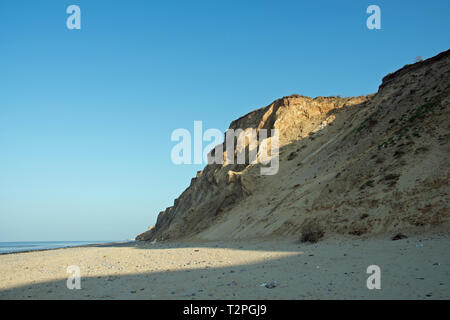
364	165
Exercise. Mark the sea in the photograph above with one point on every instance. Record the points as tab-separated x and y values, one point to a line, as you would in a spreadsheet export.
10	247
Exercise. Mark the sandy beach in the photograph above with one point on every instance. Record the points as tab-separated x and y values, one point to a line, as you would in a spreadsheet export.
414	268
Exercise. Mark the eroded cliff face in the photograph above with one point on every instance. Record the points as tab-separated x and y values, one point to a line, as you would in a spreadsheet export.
357	166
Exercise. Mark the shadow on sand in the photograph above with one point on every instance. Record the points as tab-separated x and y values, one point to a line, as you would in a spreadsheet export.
296	271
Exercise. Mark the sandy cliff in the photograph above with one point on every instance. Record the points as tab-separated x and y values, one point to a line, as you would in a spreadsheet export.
363	165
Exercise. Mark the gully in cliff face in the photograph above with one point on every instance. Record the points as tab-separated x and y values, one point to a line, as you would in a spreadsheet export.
238	143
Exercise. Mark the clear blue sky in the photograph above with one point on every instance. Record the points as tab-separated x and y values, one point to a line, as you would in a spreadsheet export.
86	115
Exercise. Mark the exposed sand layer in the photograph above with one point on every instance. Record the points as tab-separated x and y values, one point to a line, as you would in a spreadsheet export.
414	268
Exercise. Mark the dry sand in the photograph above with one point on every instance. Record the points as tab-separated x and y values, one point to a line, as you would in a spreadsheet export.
413	268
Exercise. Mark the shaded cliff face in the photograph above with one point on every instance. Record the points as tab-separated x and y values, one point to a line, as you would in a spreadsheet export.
357	166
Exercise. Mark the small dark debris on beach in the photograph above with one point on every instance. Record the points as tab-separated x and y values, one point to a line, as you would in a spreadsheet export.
399	236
